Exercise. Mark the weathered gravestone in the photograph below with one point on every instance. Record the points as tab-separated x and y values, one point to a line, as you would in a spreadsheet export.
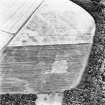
50	52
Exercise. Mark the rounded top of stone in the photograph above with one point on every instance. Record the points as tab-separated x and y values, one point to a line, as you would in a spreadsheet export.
57	22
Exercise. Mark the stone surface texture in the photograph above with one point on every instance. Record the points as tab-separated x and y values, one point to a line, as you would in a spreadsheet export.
91	89
57	22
